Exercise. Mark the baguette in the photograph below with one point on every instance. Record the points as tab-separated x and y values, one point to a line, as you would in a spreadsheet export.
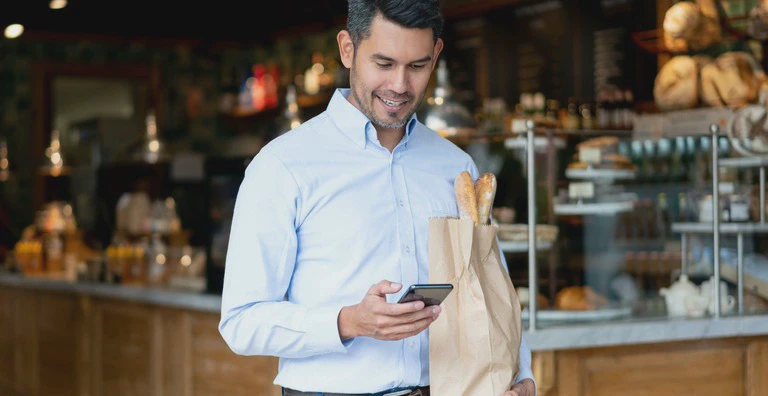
485	192
465	197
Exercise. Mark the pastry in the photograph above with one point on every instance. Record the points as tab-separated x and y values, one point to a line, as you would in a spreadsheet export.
485	192
676	85
524	296
579	298
465	197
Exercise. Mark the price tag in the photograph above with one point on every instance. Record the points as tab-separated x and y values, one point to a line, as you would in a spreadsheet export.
583	190
590	155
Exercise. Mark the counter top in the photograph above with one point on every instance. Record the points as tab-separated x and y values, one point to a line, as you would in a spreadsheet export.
640	332
551	338
141	294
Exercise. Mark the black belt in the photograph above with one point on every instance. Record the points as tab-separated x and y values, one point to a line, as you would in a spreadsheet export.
421	391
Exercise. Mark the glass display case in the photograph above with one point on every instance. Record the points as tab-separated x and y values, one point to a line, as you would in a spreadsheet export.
625	231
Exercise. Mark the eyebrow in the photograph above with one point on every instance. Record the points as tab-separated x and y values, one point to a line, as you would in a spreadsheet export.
381	57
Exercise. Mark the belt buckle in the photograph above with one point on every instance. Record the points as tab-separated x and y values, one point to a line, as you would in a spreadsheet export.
408	392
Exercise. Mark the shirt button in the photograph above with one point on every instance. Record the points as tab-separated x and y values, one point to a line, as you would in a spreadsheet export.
407	249
401	202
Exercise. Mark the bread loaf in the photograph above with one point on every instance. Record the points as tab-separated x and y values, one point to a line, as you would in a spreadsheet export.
734	79
676	85
465	197
681	20
707	32
485	192
691	25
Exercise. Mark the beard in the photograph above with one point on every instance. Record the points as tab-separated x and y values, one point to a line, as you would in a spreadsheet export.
366	107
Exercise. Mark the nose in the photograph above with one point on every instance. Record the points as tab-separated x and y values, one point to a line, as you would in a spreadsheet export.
399	81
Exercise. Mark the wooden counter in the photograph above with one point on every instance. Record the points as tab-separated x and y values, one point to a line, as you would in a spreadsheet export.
715	366
63	343
60	338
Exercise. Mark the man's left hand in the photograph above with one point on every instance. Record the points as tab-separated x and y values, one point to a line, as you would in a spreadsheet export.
525	387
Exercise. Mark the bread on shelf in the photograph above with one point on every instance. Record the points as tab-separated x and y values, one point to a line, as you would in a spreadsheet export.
579	298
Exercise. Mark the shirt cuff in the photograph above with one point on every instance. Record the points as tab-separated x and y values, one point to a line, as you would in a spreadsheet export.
527	374
323	330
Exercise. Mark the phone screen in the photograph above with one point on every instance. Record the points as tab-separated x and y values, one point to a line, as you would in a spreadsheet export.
431	294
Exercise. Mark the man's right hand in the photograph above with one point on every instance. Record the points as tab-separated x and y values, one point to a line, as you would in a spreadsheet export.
375	317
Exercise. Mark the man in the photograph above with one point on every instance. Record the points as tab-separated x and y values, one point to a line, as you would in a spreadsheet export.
342	203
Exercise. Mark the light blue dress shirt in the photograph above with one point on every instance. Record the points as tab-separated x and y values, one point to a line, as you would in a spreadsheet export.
323	213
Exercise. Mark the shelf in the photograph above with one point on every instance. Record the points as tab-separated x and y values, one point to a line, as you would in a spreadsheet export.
600	174
541	143
725	228
303	101
602	208
744	162
539	131
522	246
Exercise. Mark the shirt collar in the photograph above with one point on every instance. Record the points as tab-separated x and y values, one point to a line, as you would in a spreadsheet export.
352	122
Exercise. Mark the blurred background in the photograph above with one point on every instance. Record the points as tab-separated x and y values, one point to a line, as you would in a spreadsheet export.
125	129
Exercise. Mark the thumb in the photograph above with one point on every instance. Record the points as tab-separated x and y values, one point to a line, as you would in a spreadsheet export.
384	287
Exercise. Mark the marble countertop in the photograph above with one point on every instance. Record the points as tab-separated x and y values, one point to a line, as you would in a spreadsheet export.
569	336
150	295
648	331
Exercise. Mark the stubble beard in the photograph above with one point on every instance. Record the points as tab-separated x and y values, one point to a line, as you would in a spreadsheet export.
367	107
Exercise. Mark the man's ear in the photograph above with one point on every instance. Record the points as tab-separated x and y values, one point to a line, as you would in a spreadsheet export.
436	52
346	48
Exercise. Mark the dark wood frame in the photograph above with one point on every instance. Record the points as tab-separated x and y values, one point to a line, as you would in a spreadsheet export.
42	77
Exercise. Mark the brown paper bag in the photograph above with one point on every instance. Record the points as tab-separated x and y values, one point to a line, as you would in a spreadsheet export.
474	344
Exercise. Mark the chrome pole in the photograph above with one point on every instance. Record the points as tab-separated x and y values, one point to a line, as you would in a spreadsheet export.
762	195
740	270
533	280
684	248
714	129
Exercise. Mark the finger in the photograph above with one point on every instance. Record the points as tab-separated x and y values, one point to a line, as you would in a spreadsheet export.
383	288
401	331
401	308
416	315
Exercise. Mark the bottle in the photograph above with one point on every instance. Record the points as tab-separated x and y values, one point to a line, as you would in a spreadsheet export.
676	167
526	101
664	220
600	110
628	109
573	119
617	115
609	107
539	105
54	253
552	108
683	214
312	76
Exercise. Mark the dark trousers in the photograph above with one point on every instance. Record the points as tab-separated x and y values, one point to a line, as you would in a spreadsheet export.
423	391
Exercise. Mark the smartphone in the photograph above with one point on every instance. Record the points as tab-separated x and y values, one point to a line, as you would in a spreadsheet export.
430	293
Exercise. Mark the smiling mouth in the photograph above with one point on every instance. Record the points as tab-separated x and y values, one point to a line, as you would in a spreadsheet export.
392	103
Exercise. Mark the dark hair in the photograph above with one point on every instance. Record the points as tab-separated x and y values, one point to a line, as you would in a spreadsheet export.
417	14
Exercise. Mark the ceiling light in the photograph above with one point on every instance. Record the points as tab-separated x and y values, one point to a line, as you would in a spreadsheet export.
57	4
14	30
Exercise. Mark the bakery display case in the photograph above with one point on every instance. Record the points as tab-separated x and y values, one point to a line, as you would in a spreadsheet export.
621	218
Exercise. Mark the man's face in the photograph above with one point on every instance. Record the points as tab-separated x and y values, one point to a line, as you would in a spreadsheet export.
390	71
